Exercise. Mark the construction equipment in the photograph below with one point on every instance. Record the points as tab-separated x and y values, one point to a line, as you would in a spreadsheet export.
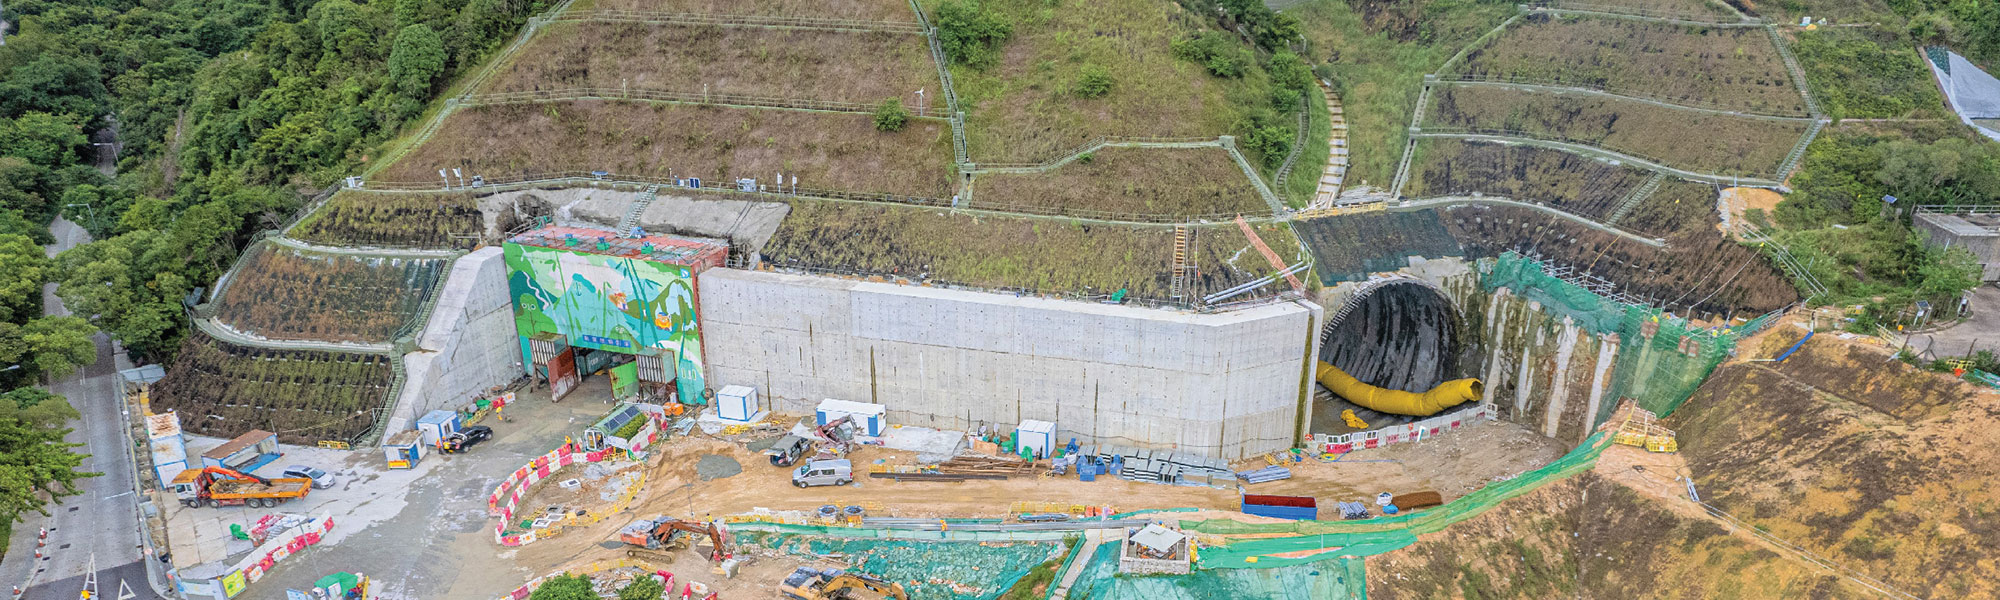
1641	429
217	486
670	534
807	583
838	438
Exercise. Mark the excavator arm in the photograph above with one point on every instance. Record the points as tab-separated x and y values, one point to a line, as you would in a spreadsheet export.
665	528
235	474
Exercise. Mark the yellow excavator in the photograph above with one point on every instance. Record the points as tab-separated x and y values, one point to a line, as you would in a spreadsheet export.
807	583
1398	402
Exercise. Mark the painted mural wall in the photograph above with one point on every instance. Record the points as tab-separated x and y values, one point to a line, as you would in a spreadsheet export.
608	303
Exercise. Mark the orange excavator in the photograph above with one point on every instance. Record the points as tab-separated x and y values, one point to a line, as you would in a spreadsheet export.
668	533
218	486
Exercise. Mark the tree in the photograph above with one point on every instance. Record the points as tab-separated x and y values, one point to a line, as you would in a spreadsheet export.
1093	81
891	116
58	346
1215	51
36	465
565	587
970	34
23	270
56	84
41	138
1289	72
643	588
416	60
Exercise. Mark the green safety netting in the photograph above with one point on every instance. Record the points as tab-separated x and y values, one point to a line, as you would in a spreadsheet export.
1337	579
955	570
1661	358
1379	535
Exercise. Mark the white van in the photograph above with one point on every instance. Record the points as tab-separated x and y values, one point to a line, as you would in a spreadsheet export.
823	472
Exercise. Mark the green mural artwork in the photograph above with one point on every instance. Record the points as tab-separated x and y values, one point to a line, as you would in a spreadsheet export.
610	303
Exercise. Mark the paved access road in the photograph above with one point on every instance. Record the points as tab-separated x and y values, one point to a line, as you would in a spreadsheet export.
103	520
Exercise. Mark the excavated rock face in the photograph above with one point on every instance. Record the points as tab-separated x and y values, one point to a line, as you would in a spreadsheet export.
1401	336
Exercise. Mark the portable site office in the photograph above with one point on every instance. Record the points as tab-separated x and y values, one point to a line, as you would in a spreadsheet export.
868	418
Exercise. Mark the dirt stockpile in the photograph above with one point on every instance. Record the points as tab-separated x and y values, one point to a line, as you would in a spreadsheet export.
1587	537
1875	465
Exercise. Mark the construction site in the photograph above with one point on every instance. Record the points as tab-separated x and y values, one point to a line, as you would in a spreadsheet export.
654	299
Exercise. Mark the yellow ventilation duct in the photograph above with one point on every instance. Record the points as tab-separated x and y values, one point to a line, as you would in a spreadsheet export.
1445	395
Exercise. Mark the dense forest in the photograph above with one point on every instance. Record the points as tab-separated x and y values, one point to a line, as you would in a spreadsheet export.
220	115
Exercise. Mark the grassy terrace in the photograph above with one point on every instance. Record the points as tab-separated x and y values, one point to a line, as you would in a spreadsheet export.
1567	182
999	252
223	390
1708	9
354	218
1698	270
287	294
1022	109
841	66
1724	144
1736	67
829	151
859	10
1135	181
1376	55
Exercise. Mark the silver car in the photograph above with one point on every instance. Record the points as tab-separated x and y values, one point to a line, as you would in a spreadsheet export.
823	472
321	479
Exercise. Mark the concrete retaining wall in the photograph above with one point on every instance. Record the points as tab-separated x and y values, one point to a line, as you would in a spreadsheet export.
467	346
1223	384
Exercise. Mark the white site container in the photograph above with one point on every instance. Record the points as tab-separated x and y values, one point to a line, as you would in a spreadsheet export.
867	417
1038	436
736	403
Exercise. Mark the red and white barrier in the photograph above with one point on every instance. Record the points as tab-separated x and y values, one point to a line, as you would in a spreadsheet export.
1409	432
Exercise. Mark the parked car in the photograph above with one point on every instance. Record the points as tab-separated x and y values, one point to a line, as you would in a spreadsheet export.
466	438
824	472
321	479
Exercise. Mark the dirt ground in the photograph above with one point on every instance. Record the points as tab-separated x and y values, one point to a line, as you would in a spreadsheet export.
1737	200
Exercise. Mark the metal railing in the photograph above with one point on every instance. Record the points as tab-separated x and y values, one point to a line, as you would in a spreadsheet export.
1667	16
1095	144
774	22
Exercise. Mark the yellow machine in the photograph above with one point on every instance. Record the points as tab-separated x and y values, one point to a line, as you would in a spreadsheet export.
808	583
1640	430
1445	395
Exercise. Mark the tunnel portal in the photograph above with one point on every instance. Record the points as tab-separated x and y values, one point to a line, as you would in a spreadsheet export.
1400	335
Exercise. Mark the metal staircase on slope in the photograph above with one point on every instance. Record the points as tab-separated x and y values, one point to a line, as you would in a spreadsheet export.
1798	152
631	219
1632	200
1184	270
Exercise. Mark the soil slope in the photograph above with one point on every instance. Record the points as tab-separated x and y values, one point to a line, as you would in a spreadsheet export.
1869	462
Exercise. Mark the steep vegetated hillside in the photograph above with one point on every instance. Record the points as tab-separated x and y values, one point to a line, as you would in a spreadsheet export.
401	220
1024	105
1738	68
1867	73
223	390
1591	537
288	294
1376	53
1131	181
1864	460
826	151
1001	252
836	66
1350	247
1727	145
1677	207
